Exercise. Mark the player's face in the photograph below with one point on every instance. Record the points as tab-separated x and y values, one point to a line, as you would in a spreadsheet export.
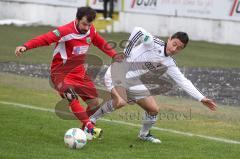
84	25
174	46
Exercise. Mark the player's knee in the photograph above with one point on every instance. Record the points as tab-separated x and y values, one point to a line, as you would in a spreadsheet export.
70	95
120	103
94	103
154	111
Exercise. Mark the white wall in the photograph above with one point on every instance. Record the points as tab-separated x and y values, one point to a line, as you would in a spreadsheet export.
43	14
218	31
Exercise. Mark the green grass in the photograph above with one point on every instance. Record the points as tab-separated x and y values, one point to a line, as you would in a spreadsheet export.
197	53
204	54
34	134
27	133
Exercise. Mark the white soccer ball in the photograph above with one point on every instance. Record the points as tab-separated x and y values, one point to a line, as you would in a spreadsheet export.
75	138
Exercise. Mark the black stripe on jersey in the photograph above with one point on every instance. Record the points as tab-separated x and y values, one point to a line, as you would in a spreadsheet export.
132	42
158	41
165	52
161	43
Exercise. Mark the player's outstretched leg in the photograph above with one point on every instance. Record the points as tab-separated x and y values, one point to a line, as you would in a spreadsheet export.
104	109
144	134
118	100
149	118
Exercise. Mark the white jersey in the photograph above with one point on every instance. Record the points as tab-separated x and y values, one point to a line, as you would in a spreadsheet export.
151	55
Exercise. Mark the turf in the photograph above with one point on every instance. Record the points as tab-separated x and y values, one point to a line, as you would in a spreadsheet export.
27	133
34	134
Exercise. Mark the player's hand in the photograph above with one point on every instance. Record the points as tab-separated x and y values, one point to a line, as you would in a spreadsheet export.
20	50
209	103
118	57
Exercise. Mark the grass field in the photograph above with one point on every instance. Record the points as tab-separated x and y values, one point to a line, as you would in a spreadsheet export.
27	133
30	133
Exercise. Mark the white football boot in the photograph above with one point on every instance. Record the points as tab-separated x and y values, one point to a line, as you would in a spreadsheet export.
149	138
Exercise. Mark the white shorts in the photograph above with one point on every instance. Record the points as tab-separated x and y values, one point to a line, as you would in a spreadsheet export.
134	92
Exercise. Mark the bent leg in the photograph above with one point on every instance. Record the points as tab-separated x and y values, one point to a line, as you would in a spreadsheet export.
92	106
116	102
150	116
75	106
149	105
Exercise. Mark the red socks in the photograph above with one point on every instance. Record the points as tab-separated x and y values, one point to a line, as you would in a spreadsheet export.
79	111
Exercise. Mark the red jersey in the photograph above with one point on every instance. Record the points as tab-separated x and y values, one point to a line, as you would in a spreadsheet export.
71	48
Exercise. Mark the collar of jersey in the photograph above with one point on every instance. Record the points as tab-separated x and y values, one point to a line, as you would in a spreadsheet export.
165	52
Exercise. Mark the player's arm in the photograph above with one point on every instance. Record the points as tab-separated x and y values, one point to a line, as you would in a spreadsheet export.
186	85
138	34
101	43
41	40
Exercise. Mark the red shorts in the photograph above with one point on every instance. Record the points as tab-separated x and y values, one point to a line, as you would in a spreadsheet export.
83	86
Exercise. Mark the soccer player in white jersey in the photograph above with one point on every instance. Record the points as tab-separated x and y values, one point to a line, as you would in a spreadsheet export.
123	79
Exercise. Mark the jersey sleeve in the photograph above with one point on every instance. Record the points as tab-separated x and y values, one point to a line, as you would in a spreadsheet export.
45	39
101	43
184	83
138	34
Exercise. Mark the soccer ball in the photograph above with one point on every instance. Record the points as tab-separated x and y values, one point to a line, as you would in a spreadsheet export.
75	138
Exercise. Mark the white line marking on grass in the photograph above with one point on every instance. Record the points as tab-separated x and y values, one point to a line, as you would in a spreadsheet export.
129	124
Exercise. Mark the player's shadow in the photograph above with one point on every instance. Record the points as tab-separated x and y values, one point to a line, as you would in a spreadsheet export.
62	110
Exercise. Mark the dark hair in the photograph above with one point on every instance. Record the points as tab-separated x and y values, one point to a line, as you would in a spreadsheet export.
86	11
182	36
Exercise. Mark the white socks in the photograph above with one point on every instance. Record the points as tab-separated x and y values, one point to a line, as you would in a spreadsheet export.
104	109
147	120
147	123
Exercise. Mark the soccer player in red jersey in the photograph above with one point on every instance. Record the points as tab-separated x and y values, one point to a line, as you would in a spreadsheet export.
67	72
